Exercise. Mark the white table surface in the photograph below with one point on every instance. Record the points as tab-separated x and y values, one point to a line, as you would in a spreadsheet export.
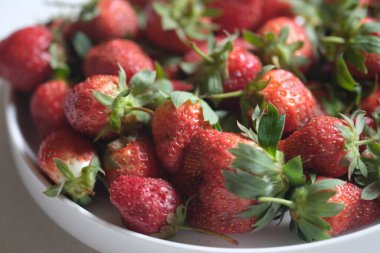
23	225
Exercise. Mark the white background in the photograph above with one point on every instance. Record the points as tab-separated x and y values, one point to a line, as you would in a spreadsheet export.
24	228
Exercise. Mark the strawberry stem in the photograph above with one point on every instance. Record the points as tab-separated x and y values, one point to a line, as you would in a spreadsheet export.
365	142
207	58
142	109
284	202
233	94
221	236
334	39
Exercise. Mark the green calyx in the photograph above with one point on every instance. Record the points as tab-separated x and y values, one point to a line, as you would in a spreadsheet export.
352	132
275	50
133	102
185	18
89	11
179	98
260	171
210	73
78	188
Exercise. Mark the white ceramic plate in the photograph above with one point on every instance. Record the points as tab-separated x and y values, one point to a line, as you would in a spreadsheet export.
99	225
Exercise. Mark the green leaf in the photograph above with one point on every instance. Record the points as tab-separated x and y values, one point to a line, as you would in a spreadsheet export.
311	232
245	185
63	168
367	43
293	170
343	75
102	98
180	97
253	39
252	159
54	190
326	184
82	44
122	79
268	217
270	129
372	191
142	81
208	113
160	71
284	34
370	27
255	210
356	58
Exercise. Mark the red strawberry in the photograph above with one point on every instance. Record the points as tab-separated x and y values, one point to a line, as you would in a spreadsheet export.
173	128
371	103
106	19
322	153
181	86
218	73
276	8
24	57
213	207
290	96
71	162
140	3
104	58
83	111
296	34
133	156
356	213
188	24
372	60
144	203
238	14
46	107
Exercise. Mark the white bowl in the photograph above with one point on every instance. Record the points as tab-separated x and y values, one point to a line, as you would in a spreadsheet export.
100	228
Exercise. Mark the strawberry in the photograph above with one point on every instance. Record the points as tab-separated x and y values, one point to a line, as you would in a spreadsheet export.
46	107
175	123
144	203
103	106
276	8
25	58
133	156
71	162
333	153
104	58
225	67
181	86
284	43
371	103
213	206
187	23
238	14
106	19
288	94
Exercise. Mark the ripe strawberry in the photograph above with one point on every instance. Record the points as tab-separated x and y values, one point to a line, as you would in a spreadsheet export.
173	128
106	19
144	203
371	103
327	153
276	8
213	206
71	162
288	55
181	86
188	23
46	107
372	60
356	213
105	58
83	111
238	14
225	67
133	156
288	94
24	58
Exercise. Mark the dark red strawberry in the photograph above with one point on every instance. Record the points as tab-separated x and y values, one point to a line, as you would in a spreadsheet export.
188	24
133	156
181	86
276	8
25	58
46	107
106	19
371	103
238	14
145	204
225	67
105	58
71	162
289	95
356	213
140	3
173	128
83	111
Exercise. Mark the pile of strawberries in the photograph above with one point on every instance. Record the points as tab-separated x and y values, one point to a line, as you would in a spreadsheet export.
217	116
